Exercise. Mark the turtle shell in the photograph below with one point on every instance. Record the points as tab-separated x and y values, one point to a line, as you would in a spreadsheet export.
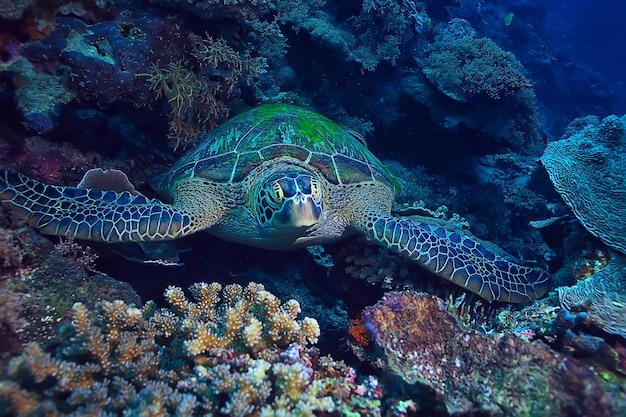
228	153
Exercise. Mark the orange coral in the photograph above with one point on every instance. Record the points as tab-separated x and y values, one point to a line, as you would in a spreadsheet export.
590	265
357	332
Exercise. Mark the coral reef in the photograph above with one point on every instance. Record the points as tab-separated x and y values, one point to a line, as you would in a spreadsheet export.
48	161
196	76
232	351
467	81
197	99
249	320
378	267
104	82
38	287
378	29
601	296
39	96
471	66
470	372
592	150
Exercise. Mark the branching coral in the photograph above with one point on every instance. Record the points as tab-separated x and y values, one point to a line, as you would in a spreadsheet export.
230	351
245	320
377	266
198	98
475	66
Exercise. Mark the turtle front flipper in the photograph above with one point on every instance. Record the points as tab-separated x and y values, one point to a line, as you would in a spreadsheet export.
459	258
92	214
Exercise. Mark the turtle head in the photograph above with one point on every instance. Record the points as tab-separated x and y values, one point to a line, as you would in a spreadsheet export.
290	200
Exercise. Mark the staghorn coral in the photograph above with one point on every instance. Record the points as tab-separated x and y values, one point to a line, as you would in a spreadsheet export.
587	168
475	373
230	351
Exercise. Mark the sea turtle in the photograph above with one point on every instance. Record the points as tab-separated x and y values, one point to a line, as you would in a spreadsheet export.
277	177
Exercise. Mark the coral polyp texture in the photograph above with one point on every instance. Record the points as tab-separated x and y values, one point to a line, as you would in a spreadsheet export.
245	320
472	372
587	168
230	351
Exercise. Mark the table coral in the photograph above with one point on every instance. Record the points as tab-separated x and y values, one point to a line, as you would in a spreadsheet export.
587	168
494	374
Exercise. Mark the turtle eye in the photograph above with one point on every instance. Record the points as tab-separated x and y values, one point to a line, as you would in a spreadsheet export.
316	189
278	193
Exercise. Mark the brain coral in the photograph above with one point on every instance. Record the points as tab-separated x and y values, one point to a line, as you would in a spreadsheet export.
587	168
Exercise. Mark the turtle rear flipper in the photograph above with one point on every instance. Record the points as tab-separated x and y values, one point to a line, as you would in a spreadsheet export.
92	214
459	258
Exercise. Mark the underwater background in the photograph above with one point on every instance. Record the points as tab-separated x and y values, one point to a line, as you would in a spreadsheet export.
505	118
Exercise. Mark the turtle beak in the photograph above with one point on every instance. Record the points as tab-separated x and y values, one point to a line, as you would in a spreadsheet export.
299	211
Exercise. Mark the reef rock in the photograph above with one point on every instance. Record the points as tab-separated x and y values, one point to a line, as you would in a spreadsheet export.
471	372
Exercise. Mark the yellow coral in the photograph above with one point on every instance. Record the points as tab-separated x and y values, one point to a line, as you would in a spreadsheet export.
165	322
244	319
253	333
176	297
122	359
231	292
206	294
204	340
291	308
311	329
81	320
292	379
